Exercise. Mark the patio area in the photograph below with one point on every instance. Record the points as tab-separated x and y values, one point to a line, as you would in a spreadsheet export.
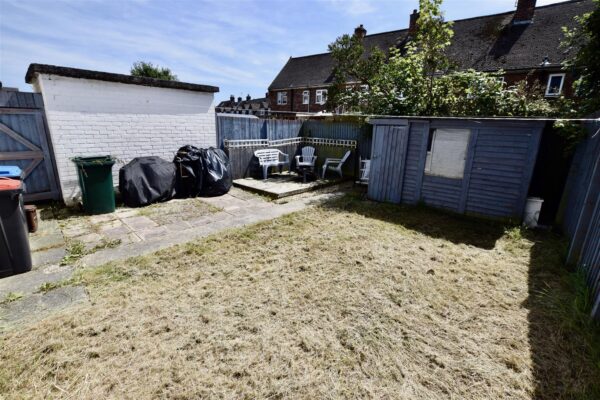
282	185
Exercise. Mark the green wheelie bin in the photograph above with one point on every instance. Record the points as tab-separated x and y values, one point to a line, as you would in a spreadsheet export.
96	183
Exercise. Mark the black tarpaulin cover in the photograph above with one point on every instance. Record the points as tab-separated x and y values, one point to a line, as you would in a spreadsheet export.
146	180
188	164
217	173
202	172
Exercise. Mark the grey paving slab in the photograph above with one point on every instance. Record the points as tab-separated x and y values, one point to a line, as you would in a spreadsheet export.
30	282
46	241
139	222
46	257
40	305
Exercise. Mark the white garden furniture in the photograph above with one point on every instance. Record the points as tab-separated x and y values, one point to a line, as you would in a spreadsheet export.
308	158
364	170
335	164
271	158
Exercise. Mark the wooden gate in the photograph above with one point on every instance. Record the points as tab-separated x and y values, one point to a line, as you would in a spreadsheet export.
24	142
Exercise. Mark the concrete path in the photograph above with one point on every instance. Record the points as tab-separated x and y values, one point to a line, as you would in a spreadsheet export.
22	298
239	209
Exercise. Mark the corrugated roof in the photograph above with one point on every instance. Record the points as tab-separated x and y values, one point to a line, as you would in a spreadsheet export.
486	43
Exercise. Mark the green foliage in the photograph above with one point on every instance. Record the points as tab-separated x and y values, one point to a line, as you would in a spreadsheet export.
586	37
353	63
11	296
149	70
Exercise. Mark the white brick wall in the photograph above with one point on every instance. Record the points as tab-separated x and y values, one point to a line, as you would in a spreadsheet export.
89	117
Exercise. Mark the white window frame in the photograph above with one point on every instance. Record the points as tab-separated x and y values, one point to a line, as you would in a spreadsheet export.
319	96
459	170
281	98
306	97
562	82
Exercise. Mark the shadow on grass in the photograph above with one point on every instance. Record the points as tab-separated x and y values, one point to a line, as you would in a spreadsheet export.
428	221
564	341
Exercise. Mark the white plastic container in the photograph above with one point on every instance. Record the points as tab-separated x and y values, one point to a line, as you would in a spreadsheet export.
532	211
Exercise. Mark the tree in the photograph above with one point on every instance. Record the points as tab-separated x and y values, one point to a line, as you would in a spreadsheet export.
586	37
147	69
355	64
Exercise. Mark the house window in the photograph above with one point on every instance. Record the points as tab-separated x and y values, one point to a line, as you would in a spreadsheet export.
446	152
305	97
555	85
321	97
282	98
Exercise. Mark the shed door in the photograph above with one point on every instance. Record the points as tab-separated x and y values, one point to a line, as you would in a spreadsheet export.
388	157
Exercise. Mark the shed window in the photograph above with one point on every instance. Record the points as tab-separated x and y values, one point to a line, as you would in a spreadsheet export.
446	152
282	98
321	97
555	85
305	97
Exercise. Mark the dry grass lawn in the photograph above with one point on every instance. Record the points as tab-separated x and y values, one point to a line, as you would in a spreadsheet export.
349	300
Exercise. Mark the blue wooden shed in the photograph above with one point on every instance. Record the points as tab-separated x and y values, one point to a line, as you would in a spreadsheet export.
466	165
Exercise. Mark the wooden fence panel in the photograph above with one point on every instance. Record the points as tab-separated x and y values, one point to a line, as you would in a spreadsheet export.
582	212
24	142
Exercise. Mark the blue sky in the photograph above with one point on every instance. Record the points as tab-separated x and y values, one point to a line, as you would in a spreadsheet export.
238	45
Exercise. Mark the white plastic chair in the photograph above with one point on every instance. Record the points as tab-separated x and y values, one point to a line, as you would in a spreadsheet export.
271	158
364	170
335	164
308	158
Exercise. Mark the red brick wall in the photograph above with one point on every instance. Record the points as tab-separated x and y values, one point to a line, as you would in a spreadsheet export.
294	101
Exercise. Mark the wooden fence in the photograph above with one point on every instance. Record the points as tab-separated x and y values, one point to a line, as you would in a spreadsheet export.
581	212
236	128
24	142
248	129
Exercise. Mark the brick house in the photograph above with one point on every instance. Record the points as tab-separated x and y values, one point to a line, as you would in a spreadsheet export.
250	106
524	43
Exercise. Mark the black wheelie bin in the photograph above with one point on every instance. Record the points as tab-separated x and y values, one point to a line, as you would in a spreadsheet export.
15	255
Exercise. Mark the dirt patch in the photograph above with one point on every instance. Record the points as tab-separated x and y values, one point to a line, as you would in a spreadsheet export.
349	300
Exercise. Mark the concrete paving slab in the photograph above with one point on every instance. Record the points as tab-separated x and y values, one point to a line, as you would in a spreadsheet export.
139	222
109	225
46	241
116	233
40	305
30	282
153	232
98	219
46	257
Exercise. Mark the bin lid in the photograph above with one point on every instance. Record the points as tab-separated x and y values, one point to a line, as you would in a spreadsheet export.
94	161
10	171
10	184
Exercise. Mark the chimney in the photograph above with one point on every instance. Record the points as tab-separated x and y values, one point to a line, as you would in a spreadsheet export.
248	98
239	99
524	12
412	26
232	98
360	32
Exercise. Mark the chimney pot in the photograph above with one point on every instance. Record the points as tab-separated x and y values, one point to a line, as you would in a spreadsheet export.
524	12
248	98
239	99
360	32
412	26
232	98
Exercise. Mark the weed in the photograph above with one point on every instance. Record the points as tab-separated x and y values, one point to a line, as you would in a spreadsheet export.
75	250
11	296
48	286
